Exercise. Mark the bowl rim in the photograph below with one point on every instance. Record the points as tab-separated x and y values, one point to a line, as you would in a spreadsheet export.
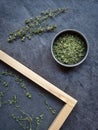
78	32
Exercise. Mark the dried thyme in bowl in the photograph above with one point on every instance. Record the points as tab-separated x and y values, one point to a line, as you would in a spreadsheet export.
69	49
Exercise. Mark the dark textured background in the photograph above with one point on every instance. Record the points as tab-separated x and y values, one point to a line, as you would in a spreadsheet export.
80	82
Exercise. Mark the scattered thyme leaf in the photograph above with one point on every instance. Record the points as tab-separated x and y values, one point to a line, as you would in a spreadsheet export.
5	84
1	95
28	95
13	100
4	72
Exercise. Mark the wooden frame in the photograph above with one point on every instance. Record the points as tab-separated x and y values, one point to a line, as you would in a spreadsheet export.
68	100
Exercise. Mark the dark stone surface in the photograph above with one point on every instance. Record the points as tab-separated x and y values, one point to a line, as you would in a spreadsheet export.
80	82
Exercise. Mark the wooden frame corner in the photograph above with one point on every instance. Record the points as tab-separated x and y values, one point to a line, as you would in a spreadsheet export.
68	100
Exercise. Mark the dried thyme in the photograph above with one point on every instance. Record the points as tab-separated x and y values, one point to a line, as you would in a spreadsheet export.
69	49
1	95
5	84
26	121
13	100
50	108
36	25
28	95
18	80
4	72
26	118
38	120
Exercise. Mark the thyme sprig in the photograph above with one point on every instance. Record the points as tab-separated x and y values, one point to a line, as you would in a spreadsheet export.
36	25
38	120
19	80
24	120
50	108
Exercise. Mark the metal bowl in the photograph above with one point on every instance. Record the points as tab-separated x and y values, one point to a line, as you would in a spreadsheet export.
78	33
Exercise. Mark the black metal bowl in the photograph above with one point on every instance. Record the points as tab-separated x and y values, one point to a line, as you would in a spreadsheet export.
74	32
